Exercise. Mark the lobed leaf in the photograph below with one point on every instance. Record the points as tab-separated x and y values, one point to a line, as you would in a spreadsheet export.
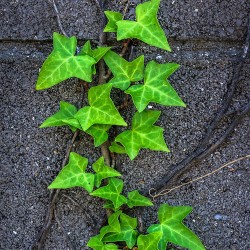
146	27
97	131
124	72
101	110
97	244
155	88
97	53
173	230
127	232
117	148
112	192
66	111
113	17
149	241
103	171
63	64
135	199
143	134
73	174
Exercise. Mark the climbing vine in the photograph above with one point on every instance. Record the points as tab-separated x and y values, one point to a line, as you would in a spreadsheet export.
144	85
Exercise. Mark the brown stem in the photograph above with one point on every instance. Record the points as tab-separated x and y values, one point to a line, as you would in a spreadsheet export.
203	149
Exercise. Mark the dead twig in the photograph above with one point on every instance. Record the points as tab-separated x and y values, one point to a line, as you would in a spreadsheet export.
66	237
204	149
58	18
41	237
167	191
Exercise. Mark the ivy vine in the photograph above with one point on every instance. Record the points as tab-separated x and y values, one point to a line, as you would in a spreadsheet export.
145	84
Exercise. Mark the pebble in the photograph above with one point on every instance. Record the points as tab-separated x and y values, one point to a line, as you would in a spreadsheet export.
220	217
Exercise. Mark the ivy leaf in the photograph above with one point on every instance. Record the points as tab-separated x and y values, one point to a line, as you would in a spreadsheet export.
97	131
155	88
101	110
117	148
73	175
173	230
112	192
127	233
143	134
73	122
66	111
97	244
62	63
137	200
146	27
97	53
103	171
108	205
124	72
149	241
112	17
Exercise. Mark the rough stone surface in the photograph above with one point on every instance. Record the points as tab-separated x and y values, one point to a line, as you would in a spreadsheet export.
206	37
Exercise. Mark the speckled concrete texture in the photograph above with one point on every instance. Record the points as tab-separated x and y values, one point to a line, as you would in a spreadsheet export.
206	38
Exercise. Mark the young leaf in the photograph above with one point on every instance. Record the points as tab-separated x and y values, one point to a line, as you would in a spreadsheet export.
124	72
112	17
117	148
97	244
137	200
112	192
149	241
97	131
143	134
101	110
173	230
66	111
103	171
127	233
108	205
73	175
155	88
146	28
63	64
97	54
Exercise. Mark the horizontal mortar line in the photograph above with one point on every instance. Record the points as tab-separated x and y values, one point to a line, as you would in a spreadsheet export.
171	40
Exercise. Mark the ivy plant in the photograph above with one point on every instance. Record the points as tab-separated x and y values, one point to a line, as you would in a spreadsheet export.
145	85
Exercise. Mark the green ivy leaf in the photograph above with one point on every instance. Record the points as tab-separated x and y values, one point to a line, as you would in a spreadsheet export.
97	53
149	241
97	244
103	171
112	17
117	148
127	233
135	199
173	230
101	110
97	131
146	28
109	205
63	64
155	88
66	111
112	192
124	72
73	174
143	134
